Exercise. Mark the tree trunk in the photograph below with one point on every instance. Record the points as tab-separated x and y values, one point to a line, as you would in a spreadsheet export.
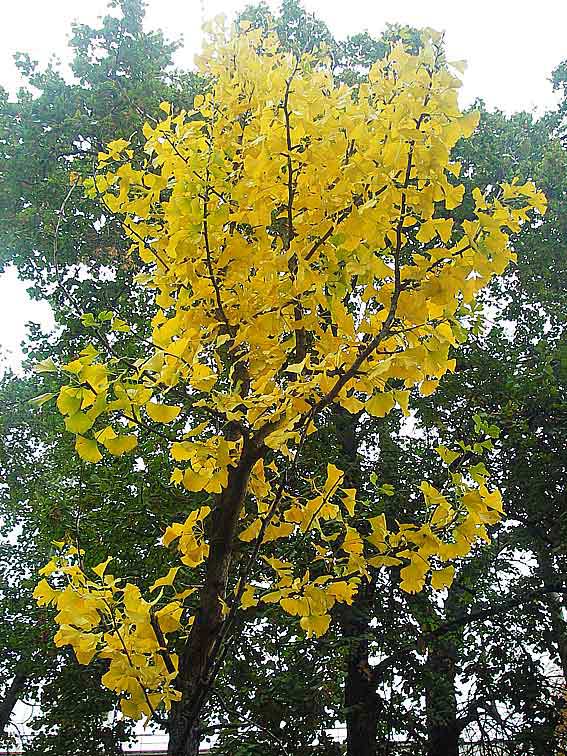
11	699
195	659
182	741
360	696
443	725
556	605
443	729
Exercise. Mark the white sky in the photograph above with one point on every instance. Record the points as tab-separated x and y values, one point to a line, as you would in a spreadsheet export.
511	47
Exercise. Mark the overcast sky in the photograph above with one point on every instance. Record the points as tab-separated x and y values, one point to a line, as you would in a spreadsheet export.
511	47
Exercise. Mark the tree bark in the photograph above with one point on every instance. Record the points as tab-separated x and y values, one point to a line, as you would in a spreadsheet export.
443	729
183	740
11	699
195	658
361	700
360	695
556	605
439	673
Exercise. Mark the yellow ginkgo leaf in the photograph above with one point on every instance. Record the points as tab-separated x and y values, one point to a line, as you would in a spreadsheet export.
315	624
447	455
413	575
492	500
384	561
162	413
45	366
166	580
169	617
469	122
172	533
176	476
121	444
380	404
274	532
334	477
185	594
44	593
349	500
69	400
248	600
101	568
426	388
39	401
251	532
442	578
342	591
96	376
87	449
402	398
78	423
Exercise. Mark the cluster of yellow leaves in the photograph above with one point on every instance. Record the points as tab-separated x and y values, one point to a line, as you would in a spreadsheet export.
310	600
190	538
296	225
300	238
107	617
454	522
115	622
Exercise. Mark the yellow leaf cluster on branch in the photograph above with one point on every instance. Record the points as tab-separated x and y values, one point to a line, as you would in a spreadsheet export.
108	617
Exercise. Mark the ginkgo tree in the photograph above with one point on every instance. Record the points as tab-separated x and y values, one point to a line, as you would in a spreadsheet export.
299	238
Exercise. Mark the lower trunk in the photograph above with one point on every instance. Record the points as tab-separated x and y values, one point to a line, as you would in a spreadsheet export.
443	728
559	628
361	698
184	736
195	660
360	691
11	699
361	706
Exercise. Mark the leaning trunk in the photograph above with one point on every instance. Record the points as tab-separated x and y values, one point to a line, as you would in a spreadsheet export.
201	650
10	700
556	608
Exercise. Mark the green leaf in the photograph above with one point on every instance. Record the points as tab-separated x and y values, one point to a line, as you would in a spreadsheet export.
46	366
40	400
447	455
387	489
120	325
88	319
